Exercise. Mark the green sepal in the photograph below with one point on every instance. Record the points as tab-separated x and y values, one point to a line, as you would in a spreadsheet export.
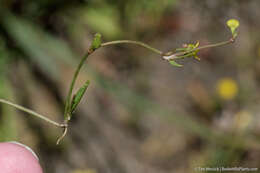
96	43
172	62
78	96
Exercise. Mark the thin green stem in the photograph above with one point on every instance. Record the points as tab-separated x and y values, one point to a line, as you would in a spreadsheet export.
180	54
177	56
214	45
31	112
133	42
68	99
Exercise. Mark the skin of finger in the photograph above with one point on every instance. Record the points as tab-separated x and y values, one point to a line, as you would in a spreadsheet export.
15	158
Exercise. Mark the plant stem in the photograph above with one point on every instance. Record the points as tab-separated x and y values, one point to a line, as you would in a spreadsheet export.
212	45
133	42
180	55
31	112
68	99
177	56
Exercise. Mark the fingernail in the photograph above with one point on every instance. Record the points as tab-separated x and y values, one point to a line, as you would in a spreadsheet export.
28	148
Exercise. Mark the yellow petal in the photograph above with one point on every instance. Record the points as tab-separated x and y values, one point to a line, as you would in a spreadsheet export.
233	23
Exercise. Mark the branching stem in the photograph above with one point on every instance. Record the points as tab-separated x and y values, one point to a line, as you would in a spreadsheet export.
96	45
84	58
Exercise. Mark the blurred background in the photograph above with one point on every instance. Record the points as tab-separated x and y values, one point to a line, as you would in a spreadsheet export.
140	114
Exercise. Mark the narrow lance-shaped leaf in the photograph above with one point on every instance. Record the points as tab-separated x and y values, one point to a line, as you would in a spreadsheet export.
78	96
172	62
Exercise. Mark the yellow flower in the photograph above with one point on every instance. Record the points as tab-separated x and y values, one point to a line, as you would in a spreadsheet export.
227	88
233	23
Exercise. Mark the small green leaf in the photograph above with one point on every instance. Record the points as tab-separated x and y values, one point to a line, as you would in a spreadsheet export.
172	62
78	96
233	24
96	43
